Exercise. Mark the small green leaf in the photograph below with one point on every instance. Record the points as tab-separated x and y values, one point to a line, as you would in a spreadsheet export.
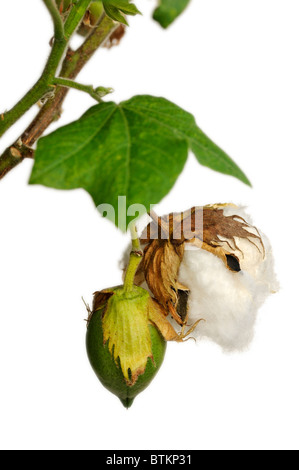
169	10
135	149
115	8
114	14
125	7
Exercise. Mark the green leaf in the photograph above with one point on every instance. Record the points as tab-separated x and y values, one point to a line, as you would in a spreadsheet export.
114	14
125	7
115	8
169	10
135	149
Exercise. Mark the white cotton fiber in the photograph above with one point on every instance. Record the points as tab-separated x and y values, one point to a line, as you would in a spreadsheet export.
228	301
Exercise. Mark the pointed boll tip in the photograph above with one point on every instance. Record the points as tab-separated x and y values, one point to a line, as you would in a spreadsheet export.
127	402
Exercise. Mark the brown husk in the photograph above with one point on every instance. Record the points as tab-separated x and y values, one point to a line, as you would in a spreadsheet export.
164	239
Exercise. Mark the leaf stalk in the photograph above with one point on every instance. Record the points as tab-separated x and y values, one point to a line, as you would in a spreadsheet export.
96	93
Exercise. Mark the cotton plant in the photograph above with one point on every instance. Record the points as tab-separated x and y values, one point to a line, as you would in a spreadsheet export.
206	281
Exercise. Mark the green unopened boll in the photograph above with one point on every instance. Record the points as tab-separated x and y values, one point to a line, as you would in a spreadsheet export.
124	348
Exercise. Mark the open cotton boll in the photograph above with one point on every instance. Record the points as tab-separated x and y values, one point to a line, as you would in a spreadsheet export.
220	268
228	301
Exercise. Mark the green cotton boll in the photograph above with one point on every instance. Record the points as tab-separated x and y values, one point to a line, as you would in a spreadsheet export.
124	349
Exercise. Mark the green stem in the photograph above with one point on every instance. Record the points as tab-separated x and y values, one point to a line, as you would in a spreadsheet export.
135	239
97	93
73	63
57	20
96	39
32	97
43	85
75	17
135	260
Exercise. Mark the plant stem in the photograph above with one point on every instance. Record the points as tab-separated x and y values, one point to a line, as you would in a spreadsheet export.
32	97
135	260
82	55
75	17
8	162
43	85
135	239
97	94
71	67
13	156
57	20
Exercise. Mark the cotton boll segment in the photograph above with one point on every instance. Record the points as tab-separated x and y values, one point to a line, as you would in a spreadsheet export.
222	298
229	301
260	265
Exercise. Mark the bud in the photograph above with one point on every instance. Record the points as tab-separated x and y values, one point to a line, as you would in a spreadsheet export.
63	5
124	347
91	18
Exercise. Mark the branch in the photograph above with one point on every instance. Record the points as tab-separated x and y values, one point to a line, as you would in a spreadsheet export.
57	20
75	17
12	157
42	86
51	111
71	67
96	93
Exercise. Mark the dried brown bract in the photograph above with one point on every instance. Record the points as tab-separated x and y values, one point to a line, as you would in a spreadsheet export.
116	37
164	242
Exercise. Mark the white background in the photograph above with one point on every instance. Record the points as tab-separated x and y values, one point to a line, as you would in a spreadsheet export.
234	65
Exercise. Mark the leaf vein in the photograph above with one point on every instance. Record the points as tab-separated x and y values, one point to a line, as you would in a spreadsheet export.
129	140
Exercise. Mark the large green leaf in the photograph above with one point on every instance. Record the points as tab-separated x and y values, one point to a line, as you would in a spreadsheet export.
169	10
135	149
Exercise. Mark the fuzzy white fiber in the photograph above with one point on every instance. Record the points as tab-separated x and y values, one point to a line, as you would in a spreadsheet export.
226	300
